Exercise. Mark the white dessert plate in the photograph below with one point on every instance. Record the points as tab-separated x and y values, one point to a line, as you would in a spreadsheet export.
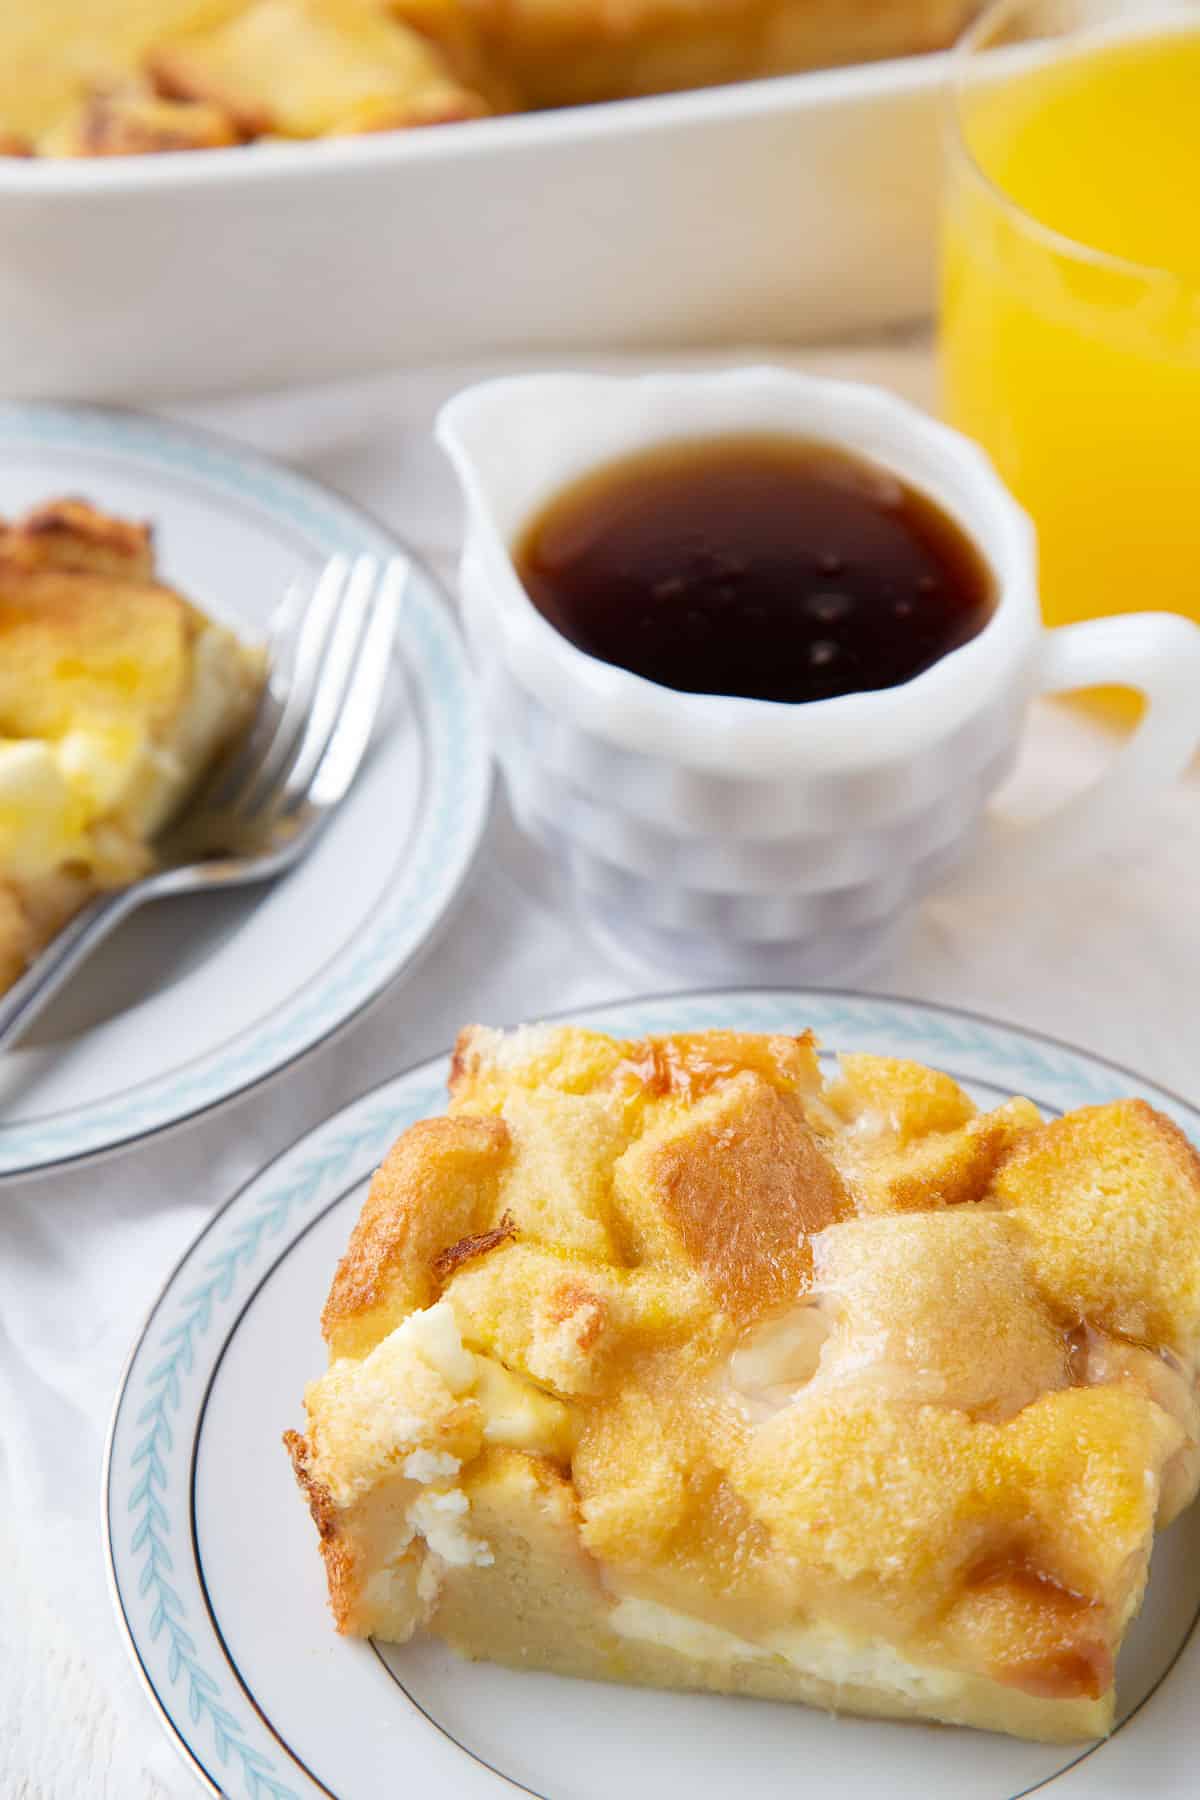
195	1000
219	1589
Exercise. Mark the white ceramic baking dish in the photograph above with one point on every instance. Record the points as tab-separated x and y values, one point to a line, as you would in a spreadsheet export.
770	211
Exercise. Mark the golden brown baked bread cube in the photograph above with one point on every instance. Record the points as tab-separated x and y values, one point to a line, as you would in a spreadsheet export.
563	52
310	68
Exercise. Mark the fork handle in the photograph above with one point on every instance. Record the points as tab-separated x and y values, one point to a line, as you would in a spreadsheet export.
46	974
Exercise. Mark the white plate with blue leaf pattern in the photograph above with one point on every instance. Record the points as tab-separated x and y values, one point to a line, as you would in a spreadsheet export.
195	1000
221	1595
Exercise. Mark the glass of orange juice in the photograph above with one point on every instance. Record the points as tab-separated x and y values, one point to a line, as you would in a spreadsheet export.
1070	307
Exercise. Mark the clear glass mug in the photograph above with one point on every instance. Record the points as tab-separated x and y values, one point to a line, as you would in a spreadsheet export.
1070	307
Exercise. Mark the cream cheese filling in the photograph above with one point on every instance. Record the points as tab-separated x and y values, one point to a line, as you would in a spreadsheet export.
53	793
816	1649
56	793
393	1413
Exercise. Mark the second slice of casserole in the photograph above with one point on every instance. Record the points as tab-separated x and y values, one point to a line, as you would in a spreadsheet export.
116	694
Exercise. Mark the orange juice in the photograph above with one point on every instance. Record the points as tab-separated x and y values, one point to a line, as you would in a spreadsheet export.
1071	309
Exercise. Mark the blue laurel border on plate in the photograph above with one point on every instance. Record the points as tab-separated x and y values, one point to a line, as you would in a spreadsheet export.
218	1283
175	1350
458	787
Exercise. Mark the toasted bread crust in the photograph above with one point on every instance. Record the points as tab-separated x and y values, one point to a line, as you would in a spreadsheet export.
338	1557
744	1185
73	534
434	1188
467	1249
1107	1195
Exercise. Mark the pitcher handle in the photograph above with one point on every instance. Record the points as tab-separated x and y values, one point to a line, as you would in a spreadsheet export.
1156	653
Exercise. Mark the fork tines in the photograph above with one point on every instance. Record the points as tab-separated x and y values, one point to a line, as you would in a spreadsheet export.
329	658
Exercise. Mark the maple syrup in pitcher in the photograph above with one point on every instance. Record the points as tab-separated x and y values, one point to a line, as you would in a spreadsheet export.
770	567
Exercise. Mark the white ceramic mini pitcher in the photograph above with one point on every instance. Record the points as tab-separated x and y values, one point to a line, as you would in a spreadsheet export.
728	838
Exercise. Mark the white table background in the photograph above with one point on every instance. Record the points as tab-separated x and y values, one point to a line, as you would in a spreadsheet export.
1107	955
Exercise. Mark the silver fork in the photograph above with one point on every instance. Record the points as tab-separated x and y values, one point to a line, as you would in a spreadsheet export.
263	804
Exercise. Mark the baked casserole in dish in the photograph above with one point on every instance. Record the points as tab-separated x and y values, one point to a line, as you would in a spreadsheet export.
133	76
